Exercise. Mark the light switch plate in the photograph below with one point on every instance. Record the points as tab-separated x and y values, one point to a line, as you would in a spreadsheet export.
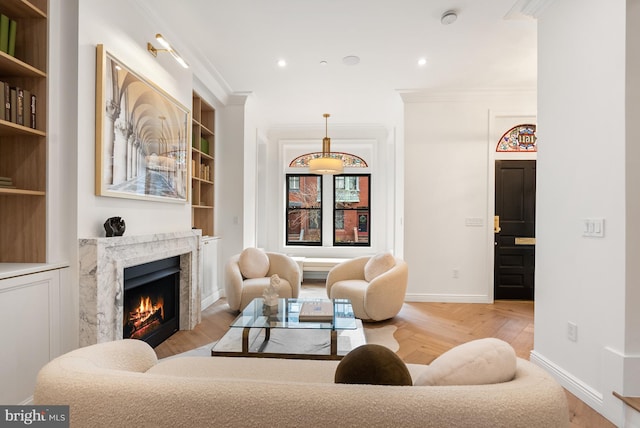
593	227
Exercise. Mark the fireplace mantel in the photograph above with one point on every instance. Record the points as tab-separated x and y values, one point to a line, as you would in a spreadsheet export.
102	263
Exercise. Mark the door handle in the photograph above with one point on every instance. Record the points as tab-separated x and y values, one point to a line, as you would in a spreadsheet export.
521	240
496	224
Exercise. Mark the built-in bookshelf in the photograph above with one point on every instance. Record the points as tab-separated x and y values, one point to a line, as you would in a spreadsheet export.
202	165
23	139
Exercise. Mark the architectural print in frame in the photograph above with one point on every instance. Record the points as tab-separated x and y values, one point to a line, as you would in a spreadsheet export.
142	136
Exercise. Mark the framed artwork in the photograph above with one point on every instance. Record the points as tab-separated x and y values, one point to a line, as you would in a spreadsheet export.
142	136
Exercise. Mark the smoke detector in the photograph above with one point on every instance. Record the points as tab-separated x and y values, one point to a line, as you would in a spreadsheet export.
449	17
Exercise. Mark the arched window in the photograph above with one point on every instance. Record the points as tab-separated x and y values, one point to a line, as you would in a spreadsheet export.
348	160
520	138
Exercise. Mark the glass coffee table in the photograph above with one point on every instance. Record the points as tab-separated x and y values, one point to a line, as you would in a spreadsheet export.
278	332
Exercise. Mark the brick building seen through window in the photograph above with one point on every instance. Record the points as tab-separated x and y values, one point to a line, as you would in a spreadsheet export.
350	210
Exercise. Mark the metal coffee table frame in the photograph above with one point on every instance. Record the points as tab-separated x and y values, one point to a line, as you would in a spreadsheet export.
256	315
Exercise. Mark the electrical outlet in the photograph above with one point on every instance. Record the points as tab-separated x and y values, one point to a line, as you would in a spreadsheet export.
456	273
572	331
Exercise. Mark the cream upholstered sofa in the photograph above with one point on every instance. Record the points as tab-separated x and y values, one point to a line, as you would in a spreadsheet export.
121	383
248	273
376	285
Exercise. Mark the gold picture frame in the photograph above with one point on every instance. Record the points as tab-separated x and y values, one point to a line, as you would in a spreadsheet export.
142	136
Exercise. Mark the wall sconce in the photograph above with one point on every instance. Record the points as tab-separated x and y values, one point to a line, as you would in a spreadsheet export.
167	48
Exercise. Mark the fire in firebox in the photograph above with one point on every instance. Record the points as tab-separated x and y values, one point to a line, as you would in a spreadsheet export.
145	318
151	310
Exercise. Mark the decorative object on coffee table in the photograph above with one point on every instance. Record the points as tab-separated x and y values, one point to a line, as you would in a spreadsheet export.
270	293
114	226
316	311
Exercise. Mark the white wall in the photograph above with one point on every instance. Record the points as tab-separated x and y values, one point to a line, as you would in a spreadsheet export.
229	195
447	181
62	176
250	168
62	130
124	30
582	174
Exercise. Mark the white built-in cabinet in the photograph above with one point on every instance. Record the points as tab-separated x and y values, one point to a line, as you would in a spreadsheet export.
30	319
211	275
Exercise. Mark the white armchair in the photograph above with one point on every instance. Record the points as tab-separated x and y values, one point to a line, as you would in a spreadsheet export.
248	273
376	285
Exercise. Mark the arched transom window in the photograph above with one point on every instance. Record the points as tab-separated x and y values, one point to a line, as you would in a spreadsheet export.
348	160
520	138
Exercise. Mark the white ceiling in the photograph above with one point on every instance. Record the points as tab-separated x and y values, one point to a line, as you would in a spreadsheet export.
491	45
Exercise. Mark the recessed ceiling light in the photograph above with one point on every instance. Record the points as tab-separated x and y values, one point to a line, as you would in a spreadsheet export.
350	60
449	17
422	61
282	63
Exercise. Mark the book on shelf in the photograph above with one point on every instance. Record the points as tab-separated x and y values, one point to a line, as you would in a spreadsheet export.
316	311
19	106
2	101
204	145
7	102
32	106
6	183
26	109
13	30
204	172
13	103
4	33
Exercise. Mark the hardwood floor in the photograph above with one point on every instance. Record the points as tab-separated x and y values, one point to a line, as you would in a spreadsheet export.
425	330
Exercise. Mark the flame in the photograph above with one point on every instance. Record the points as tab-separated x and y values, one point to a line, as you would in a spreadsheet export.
146	310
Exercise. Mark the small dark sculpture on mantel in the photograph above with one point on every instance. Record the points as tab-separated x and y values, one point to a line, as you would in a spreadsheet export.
114	226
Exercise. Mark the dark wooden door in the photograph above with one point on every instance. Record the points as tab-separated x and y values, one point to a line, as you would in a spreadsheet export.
515	236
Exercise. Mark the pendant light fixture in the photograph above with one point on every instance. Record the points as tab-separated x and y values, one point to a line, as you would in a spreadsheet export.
327	163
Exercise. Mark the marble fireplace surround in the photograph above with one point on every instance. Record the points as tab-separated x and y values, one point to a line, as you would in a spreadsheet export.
102	264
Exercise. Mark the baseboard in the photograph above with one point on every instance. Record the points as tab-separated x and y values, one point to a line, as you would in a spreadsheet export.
574	385
447	298
208	301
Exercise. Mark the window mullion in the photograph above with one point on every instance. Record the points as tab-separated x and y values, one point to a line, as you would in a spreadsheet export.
327	210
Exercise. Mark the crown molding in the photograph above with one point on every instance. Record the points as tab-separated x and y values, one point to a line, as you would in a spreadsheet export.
238	98
460	95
